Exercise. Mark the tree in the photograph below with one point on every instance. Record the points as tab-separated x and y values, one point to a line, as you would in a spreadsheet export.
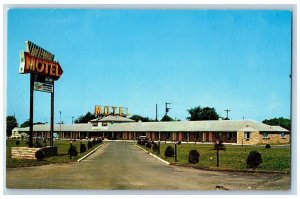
25	124
11	123
141	118
166	118
283	122
85	118
205	113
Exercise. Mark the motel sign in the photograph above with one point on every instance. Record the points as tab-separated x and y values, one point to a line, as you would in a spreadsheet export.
106	110
43	72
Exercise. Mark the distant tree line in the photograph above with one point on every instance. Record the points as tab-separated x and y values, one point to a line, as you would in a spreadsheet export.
283	122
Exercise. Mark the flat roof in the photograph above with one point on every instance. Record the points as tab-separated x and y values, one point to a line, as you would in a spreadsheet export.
174	126
199	126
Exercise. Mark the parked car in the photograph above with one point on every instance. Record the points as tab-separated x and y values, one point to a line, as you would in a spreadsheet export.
143	138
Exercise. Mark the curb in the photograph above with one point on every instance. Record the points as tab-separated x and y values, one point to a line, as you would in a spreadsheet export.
90	153
166	162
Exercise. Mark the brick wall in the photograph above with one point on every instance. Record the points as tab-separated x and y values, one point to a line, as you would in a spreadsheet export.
29	153
23	153
257	138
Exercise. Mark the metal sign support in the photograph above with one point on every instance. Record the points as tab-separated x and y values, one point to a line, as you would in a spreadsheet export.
30	144
51	117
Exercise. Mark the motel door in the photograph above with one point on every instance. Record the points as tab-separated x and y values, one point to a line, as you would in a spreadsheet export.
206	137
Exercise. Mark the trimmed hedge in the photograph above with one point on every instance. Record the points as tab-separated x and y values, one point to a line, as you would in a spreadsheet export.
82	148
155	147
254	159
268	146
148	145
169	152
40	154
194	156
72	151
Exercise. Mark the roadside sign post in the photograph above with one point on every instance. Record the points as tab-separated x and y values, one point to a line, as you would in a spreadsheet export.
217	145
175	152
30	144
51	117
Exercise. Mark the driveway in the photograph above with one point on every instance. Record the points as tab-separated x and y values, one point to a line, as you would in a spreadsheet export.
122	166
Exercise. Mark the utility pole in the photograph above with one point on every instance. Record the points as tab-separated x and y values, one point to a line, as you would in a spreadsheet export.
72	119
167	108
60	121
156	114
227	110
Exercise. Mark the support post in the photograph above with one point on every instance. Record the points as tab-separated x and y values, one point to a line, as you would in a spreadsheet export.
175	152
159	147
217	156
30	144
52	117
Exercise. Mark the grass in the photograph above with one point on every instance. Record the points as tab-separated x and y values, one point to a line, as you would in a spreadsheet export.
233	158
62	157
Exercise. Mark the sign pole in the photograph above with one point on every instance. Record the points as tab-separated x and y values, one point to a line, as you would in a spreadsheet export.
30	144
52	121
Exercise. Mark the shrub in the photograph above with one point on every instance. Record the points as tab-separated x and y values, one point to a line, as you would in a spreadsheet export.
169	152
148	145
194	156
40	155
90	144
72	150
82	148
179	142
254	159
155	147
38	145
268	146
17	142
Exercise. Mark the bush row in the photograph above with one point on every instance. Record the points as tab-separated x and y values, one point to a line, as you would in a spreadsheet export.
72	151
150	145
253	160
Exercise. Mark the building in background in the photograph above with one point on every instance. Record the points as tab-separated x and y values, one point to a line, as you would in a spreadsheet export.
121	128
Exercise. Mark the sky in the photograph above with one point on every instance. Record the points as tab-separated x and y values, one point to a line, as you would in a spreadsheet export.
227	59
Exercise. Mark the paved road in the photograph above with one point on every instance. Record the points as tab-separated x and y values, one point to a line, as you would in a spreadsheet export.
122	166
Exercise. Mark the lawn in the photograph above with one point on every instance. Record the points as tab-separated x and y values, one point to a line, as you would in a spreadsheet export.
233	158
62	147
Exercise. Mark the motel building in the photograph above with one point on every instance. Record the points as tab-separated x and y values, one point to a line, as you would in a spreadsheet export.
115	127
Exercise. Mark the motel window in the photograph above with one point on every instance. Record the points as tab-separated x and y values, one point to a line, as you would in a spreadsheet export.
218	135
282	135
229	135
247	135
265	135
168	135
